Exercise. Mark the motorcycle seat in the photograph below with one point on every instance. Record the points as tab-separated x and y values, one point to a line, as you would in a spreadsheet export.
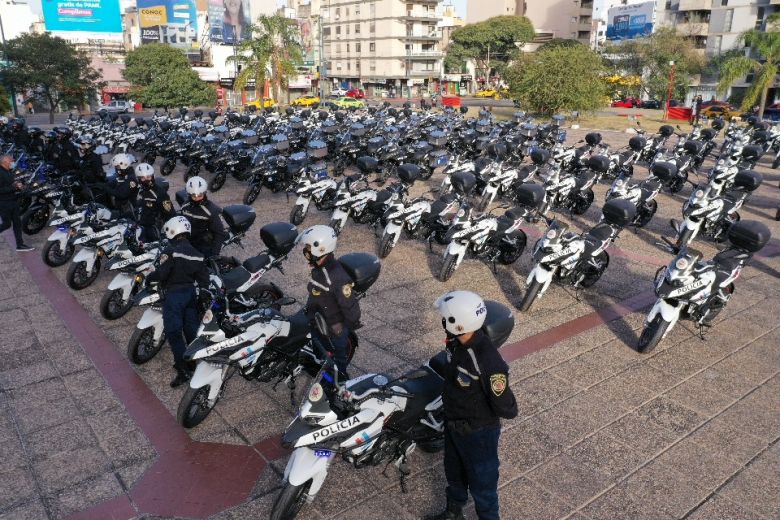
234	279
595	237
504	222
256	263
299	329
423	390
584	178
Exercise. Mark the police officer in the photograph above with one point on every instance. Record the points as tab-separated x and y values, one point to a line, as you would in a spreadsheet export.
63	153
330	294
208	232
90	168
476	396
154	205
123	188
181	268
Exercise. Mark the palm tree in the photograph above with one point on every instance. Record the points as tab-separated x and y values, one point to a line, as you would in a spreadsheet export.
273	47
767	45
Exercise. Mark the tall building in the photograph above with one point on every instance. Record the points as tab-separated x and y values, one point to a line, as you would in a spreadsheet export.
17	17
449	22
382	45
569	19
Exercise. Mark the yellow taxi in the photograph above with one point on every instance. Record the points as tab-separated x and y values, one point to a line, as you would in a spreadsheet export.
492	93
724	111
306	101
267	103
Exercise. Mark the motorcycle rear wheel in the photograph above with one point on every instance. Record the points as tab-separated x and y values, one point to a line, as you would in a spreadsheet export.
218	181
142	347
53	256
510	256
290	501
297	215
194	406
112	307
167	167
652	334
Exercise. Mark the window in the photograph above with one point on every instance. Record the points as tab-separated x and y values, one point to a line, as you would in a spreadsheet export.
357	9
349	65
357	28
347	29
372	27
346	12
326	32
347	48
372	10
338	31
372	66
372	47
338	13
357	47
727	21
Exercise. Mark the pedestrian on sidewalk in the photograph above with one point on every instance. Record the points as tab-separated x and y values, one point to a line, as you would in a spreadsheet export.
9	205
476	397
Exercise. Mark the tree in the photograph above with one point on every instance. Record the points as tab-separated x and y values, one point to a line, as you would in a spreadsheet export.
5	101
650	58
161	76
52	68
492	43
558	78
273	46
559	42
767	46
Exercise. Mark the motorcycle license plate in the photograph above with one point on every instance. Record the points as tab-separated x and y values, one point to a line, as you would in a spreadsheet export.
323	453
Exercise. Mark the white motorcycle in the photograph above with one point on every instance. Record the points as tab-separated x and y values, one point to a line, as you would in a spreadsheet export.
322	190
86	264
132	271
59	246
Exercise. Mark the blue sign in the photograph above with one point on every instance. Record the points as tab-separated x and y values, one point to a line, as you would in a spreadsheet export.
630	21
100	16
174	22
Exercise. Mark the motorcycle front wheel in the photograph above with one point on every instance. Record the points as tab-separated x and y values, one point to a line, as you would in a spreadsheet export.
652	334
167	167
251	193
385	245
77	276
297	215
34	221
582	202
112	306
677	184
54	256
290	501
142	347
530	295
510	253
447	267
194	406
218	181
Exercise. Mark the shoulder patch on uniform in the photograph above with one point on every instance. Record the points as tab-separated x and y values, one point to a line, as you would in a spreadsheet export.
163	258
132	184
498	384
347	290
167	205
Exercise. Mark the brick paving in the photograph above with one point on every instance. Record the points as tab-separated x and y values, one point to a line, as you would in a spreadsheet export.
688	431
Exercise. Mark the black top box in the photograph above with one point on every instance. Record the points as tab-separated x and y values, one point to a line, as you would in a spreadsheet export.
593	138
749	235
499	322
367	164
408	173
752	152
693	147
619	212
279	237
437	138
748	180
239	217
463	182
531	195
598	163
540	156
363	268
357	130
637	143
317	149
664	170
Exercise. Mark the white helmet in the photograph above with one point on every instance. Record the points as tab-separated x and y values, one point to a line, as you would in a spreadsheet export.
176	226
143	170
196	186
320	239
122	161
461	311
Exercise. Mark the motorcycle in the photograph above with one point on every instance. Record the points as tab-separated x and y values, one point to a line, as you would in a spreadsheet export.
261	344
693	290
117	300
369	420
577	260
642	195
86	264
59	246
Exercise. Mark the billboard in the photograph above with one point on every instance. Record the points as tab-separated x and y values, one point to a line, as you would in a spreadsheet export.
96	16
174	22
229	21
625	22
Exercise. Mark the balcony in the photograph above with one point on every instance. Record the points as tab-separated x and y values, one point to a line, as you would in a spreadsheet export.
423	36
420	15
585	26
424	54
433	73
693	28
695	5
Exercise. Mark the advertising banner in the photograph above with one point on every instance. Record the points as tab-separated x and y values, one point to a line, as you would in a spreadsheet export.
174	22
97	16
626	22
229	21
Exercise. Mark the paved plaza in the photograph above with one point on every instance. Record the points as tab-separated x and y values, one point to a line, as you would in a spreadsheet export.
688	431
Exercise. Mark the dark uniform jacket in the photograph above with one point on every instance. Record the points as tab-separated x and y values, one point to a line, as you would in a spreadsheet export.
7	190
181	266
91	168
208	232
476	390
123	191
64	156
154	202
331	294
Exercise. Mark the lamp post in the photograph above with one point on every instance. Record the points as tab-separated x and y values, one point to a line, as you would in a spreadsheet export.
5	55
670	89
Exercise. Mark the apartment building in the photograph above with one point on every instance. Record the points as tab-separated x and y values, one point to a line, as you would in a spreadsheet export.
383	46
570	19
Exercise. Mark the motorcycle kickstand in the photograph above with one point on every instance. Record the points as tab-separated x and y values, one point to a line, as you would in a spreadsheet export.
430	243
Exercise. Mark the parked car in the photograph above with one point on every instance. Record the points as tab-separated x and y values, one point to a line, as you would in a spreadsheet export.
629	102
715	111
267	103
356	93
338	92
491	93
118	105
651	103
306	101
714	102
348	102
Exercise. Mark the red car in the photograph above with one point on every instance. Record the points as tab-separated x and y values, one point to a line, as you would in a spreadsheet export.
356	93
629	102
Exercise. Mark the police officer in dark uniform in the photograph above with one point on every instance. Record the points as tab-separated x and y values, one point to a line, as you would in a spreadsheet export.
123	188
208	232
330	294
181	269
476	397
63	153
154	205
90	169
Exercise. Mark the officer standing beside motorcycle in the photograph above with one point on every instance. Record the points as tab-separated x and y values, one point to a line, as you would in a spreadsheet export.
330	294
9	205
154	205
63	153
123	187
208	232
181	269
476	397
90	169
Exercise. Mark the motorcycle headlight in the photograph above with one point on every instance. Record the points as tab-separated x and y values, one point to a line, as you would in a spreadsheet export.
551	234
681	264
698	194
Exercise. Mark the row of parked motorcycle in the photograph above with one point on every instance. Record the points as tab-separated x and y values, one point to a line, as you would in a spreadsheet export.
244	331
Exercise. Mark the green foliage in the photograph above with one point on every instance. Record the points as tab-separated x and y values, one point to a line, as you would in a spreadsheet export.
161	77
5	101
650	57
767	45
558	78
558	42
274	46
52	68
492	43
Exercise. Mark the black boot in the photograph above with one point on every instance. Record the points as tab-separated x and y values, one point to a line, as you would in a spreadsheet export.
182	375
453	512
